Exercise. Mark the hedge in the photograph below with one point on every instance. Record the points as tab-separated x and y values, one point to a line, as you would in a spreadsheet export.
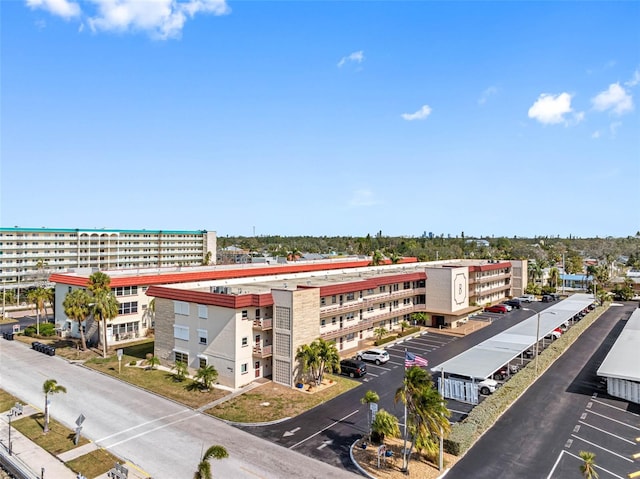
482	417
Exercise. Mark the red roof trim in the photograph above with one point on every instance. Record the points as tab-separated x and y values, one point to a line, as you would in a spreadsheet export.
213	299
188	277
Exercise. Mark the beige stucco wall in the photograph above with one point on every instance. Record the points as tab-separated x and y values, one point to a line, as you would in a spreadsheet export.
447	289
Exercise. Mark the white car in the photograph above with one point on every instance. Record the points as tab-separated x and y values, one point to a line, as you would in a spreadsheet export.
527	298
378	356
487	386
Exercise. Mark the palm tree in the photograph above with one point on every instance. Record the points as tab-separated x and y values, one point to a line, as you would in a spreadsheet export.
384	424
377	258
76	307
50	387
99	281
554	275
105	307
587	468
328	356
426	413
379	333
368	398
39	298
181	371
309	360
206	375
204	468
152	361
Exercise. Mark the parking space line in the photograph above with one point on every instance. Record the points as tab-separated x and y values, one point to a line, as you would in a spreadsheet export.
614	420
322	430
603	448
555	464
616	408
595	465
606	432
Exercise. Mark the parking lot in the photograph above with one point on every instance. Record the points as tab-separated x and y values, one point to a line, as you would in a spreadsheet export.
608	427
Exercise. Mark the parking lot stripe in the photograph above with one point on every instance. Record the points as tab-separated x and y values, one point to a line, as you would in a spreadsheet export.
617	408
600	447
634	474
322	430
595	465
606	432
614	420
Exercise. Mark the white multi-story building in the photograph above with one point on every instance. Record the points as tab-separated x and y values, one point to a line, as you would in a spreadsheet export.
29	255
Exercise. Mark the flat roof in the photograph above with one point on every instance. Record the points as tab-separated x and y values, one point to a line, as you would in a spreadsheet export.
623	360
484	359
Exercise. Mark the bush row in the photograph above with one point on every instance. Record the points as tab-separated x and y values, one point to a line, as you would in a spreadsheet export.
465	433
393	337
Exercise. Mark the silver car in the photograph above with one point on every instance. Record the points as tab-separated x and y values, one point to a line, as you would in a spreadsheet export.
378	356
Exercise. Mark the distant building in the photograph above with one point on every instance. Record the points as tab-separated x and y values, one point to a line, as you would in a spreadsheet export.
29	255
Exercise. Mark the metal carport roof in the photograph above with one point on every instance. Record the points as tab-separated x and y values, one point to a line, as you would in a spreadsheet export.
623	360
484	359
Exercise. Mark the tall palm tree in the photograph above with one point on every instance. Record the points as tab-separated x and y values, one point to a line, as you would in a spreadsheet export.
426	413
105	306
329	357
309	360
587	468
377	258
369	398
554	276
39	298
76	307
49	388
99	281
204	468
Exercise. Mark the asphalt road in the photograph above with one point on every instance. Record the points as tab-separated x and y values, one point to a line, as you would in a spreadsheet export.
327	431
161	437
540	435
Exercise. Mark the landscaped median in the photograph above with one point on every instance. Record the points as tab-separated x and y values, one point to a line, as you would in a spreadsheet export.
482	417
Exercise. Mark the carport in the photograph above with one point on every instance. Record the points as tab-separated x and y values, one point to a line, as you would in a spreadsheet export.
481	361
621	367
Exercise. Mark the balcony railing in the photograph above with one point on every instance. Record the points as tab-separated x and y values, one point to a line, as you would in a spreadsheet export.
262	351
363	303
371	321
263	324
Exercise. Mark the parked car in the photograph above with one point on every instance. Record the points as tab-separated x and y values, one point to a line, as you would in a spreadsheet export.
353	368
526	298
378	356
555	334
547	298
487	386
514	303
497	308
502	373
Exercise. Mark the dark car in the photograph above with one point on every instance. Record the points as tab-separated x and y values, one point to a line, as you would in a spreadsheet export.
548	298
514	303
497	308
353	368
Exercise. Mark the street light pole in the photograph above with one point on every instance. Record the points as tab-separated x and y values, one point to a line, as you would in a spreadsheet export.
10	415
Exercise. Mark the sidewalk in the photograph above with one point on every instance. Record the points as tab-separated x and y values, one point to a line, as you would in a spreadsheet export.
34	462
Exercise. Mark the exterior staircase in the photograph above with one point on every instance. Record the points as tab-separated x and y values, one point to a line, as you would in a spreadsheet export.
92	331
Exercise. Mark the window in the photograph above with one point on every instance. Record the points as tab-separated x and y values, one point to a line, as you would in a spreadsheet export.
245	314
323	323
202	362
180	307
350	296
181	332
128	308
323	301
202	336
203	311
383	288
125	290
244	368
181	357
245	341
383	305
333	300
258	313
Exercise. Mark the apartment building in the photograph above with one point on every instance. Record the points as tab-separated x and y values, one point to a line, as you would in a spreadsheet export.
29	255
249	320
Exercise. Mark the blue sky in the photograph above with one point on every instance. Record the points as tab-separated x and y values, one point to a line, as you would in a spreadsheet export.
322	118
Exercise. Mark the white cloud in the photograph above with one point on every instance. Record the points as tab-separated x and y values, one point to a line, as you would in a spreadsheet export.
62	8
635	80
159	18
550	109
421	114
615	99
595	134
357	57
363	197
486	94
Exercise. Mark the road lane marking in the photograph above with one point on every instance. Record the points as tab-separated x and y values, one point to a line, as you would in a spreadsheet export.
322	430
150	431
606	432
142	424
614	420
603	448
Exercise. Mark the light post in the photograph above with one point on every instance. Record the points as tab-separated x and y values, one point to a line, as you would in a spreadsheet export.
539	313
10	415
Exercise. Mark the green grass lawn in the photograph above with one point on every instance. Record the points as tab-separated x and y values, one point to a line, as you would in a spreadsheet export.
272	401
7	401
93	464
59	439
159	381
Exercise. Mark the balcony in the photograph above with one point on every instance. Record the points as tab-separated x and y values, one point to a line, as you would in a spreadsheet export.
363	303
263	324
372	321
262	351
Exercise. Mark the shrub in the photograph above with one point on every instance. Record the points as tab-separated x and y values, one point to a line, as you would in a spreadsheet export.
379	342
408	331
46	329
